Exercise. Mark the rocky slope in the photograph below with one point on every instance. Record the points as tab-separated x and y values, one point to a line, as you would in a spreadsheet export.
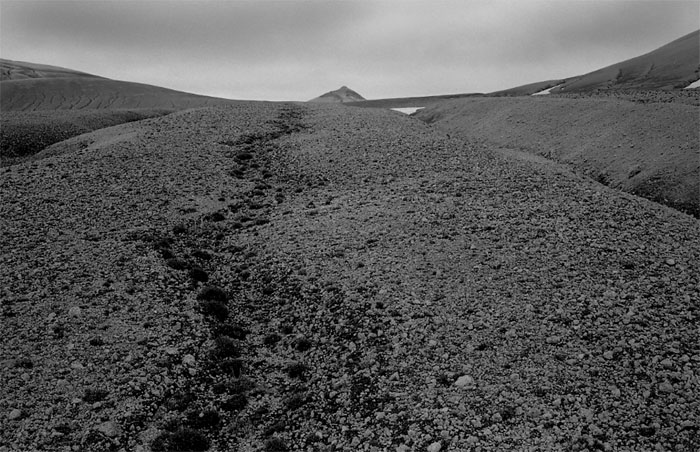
298	277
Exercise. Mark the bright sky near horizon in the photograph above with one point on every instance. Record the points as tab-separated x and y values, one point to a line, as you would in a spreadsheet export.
299	49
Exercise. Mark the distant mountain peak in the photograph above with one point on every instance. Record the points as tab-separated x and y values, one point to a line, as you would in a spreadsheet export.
342	94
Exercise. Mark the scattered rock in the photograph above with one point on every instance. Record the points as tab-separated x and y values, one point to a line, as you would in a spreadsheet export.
464	381
435	447
110	429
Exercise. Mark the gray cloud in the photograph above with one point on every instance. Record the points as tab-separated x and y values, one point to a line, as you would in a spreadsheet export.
299	49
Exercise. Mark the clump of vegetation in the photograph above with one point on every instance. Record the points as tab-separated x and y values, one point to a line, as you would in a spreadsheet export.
295	401
97	341
216	216
286	328
208	419
177	263
302	344
198	274
95	395
183	440
225	347
232	367
231	330
275	445
212	293
214	308
240	386
179	229
24	363
236	402
296	370
180	401
271	339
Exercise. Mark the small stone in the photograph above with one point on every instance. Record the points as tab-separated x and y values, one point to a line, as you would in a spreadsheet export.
109	429
667	364
464	381
14	414
435	447
496	418
188	360
615	391
670	262
75	311
553	339
609	355
76	365
666	387
171	350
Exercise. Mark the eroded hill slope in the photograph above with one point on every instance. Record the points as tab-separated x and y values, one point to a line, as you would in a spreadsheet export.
648	148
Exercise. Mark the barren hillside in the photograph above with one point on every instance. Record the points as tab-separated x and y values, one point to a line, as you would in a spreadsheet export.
300	277
645	143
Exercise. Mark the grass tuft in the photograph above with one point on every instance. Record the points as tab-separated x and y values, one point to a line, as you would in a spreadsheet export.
213	308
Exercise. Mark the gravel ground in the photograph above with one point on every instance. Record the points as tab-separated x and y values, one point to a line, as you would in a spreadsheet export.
292	277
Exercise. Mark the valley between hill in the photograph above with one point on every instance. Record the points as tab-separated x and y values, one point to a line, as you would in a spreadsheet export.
314	277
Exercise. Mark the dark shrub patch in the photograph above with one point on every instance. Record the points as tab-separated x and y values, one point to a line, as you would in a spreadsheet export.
244	156
177	264
180	401
95	395
216	216
197	274
295	401
213	308
271	339
508	413
296	370
180	229
166	253
275	445
231	330
24	363
183	440
232	367
212	293
162	243
225	347
236	402
302	344
172	425
203	419
445	380
97	341
240	386
286	328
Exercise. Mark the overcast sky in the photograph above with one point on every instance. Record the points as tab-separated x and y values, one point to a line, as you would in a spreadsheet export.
296	50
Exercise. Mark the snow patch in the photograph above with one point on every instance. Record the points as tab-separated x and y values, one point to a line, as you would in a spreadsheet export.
695	84
546	91
407	110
